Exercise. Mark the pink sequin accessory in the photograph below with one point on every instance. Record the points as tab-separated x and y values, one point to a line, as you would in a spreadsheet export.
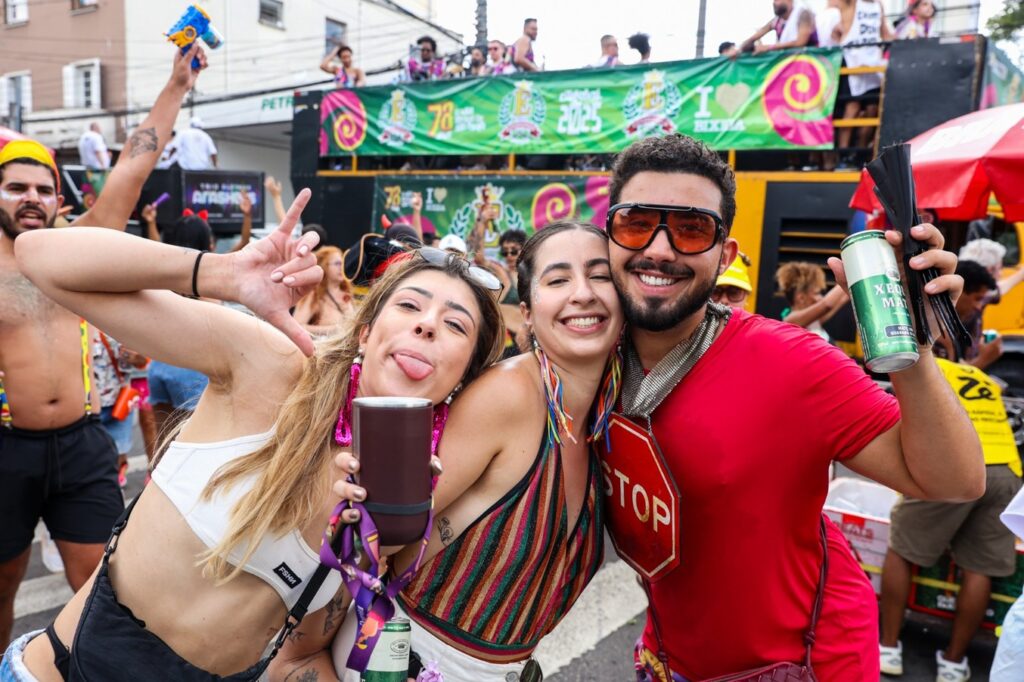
343	431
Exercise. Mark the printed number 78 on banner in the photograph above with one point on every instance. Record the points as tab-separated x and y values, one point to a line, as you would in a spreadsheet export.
444	117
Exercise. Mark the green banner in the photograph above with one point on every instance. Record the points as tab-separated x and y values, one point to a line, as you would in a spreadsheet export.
773	101
452	202
1003	82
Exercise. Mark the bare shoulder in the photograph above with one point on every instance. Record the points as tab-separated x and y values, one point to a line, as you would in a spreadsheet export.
507	391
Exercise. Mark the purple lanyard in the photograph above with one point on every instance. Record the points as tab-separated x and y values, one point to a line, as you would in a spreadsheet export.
373	597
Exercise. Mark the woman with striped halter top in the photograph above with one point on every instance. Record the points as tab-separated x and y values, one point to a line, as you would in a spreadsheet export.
517	530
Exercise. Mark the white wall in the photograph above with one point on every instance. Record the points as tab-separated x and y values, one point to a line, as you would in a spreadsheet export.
257	56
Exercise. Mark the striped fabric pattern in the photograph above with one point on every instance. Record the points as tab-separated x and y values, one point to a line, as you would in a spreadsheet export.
515	572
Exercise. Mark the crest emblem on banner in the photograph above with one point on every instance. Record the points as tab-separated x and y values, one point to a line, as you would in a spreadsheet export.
397	120
521	114
650	106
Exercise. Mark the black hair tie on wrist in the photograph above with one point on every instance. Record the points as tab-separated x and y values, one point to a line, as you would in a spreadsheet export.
195	273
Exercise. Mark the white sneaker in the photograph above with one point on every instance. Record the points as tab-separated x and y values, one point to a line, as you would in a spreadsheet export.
951	672
891	658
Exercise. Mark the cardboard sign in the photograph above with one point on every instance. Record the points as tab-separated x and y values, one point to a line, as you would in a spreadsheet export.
642	500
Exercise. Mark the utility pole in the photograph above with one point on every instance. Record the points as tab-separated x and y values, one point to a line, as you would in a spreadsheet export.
701	21
481	22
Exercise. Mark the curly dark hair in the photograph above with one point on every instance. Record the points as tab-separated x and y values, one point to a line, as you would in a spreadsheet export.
514	236
676	154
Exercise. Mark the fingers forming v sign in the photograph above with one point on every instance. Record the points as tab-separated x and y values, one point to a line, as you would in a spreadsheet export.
272	274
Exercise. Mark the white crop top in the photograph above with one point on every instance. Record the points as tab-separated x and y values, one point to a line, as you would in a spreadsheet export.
286	563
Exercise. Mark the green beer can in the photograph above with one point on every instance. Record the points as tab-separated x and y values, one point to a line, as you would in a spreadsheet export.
879	304
389	661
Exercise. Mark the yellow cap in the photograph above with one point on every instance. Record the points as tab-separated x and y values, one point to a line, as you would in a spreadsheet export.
736	276
30	149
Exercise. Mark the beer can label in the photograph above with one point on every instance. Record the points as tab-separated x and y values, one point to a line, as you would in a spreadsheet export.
879	303
389	661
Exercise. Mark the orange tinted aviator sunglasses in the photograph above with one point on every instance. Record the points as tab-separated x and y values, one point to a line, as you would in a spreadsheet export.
690	230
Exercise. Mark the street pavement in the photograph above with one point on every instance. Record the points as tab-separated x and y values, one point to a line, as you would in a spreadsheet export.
593	644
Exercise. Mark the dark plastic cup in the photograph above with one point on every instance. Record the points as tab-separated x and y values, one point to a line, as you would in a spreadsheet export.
391	438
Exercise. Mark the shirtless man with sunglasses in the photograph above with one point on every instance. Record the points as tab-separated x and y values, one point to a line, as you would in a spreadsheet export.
732	555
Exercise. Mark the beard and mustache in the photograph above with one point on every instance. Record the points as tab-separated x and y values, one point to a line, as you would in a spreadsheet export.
11	224
657	314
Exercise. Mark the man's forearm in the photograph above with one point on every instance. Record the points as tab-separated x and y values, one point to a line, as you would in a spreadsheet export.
138	158
940	445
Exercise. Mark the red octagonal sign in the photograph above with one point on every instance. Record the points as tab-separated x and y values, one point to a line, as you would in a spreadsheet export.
641	500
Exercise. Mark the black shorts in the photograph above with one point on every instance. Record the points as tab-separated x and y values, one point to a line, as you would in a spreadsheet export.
66	476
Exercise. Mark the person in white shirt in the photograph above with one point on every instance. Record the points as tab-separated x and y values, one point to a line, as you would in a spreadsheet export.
92	150
609	53
196	150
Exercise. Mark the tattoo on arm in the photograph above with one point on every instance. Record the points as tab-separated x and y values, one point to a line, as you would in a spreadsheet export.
444	527
335	613
142	141
295	635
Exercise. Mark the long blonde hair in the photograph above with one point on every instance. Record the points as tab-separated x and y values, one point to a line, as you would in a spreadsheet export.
315	299
293	469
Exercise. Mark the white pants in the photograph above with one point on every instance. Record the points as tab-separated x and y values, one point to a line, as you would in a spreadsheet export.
12	667
455	665
1008	665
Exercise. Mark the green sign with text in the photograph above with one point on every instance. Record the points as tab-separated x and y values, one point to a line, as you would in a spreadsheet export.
775	101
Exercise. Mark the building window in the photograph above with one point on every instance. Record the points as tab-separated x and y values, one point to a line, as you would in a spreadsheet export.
334	35
15	88
272	13
82	86
15	11
84	4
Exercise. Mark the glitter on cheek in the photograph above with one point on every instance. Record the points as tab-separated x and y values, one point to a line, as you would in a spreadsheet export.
7	195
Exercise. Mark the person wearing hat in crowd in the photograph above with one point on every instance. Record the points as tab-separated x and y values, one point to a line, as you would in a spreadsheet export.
195	147
454	244
56	462
732	288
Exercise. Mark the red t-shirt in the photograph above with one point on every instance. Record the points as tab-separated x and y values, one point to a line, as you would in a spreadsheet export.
748	436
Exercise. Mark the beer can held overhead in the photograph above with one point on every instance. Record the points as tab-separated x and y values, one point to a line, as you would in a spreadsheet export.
879	303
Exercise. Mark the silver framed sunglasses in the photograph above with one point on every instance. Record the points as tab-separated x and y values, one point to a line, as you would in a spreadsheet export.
479	275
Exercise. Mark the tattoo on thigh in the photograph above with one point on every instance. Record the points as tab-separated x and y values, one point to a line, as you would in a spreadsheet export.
142	141
444	528
299	675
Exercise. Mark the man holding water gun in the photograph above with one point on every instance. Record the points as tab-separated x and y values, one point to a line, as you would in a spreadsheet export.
55	461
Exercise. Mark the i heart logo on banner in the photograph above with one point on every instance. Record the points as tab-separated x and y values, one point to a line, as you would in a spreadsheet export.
732	97
440	193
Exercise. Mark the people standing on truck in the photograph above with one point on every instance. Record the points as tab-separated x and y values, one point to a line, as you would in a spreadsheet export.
918	22
793	24
609	53
862	28
346	75
983	548
521	51
641	42
429	66
497	60
802	285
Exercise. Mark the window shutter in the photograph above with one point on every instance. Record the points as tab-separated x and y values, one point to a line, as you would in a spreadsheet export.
5	83
70	96
26	93
97	85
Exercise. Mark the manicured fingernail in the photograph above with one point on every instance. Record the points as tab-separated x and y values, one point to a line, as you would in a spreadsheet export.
930	288
916	261
919	229
289	280
276	276
353	466
353	515
303	250
359	494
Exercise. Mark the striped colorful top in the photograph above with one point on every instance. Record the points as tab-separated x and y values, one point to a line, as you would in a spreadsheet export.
514	573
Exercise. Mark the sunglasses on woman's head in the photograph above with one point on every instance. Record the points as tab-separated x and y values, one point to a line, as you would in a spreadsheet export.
442	258
690	230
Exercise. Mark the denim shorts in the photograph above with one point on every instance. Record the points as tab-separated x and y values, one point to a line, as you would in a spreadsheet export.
175	385
119	429
12	665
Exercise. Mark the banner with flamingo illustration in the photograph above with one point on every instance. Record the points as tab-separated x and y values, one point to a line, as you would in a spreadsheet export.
772	101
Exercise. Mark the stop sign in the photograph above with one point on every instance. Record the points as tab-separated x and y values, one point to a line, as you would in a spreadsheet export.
641	500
